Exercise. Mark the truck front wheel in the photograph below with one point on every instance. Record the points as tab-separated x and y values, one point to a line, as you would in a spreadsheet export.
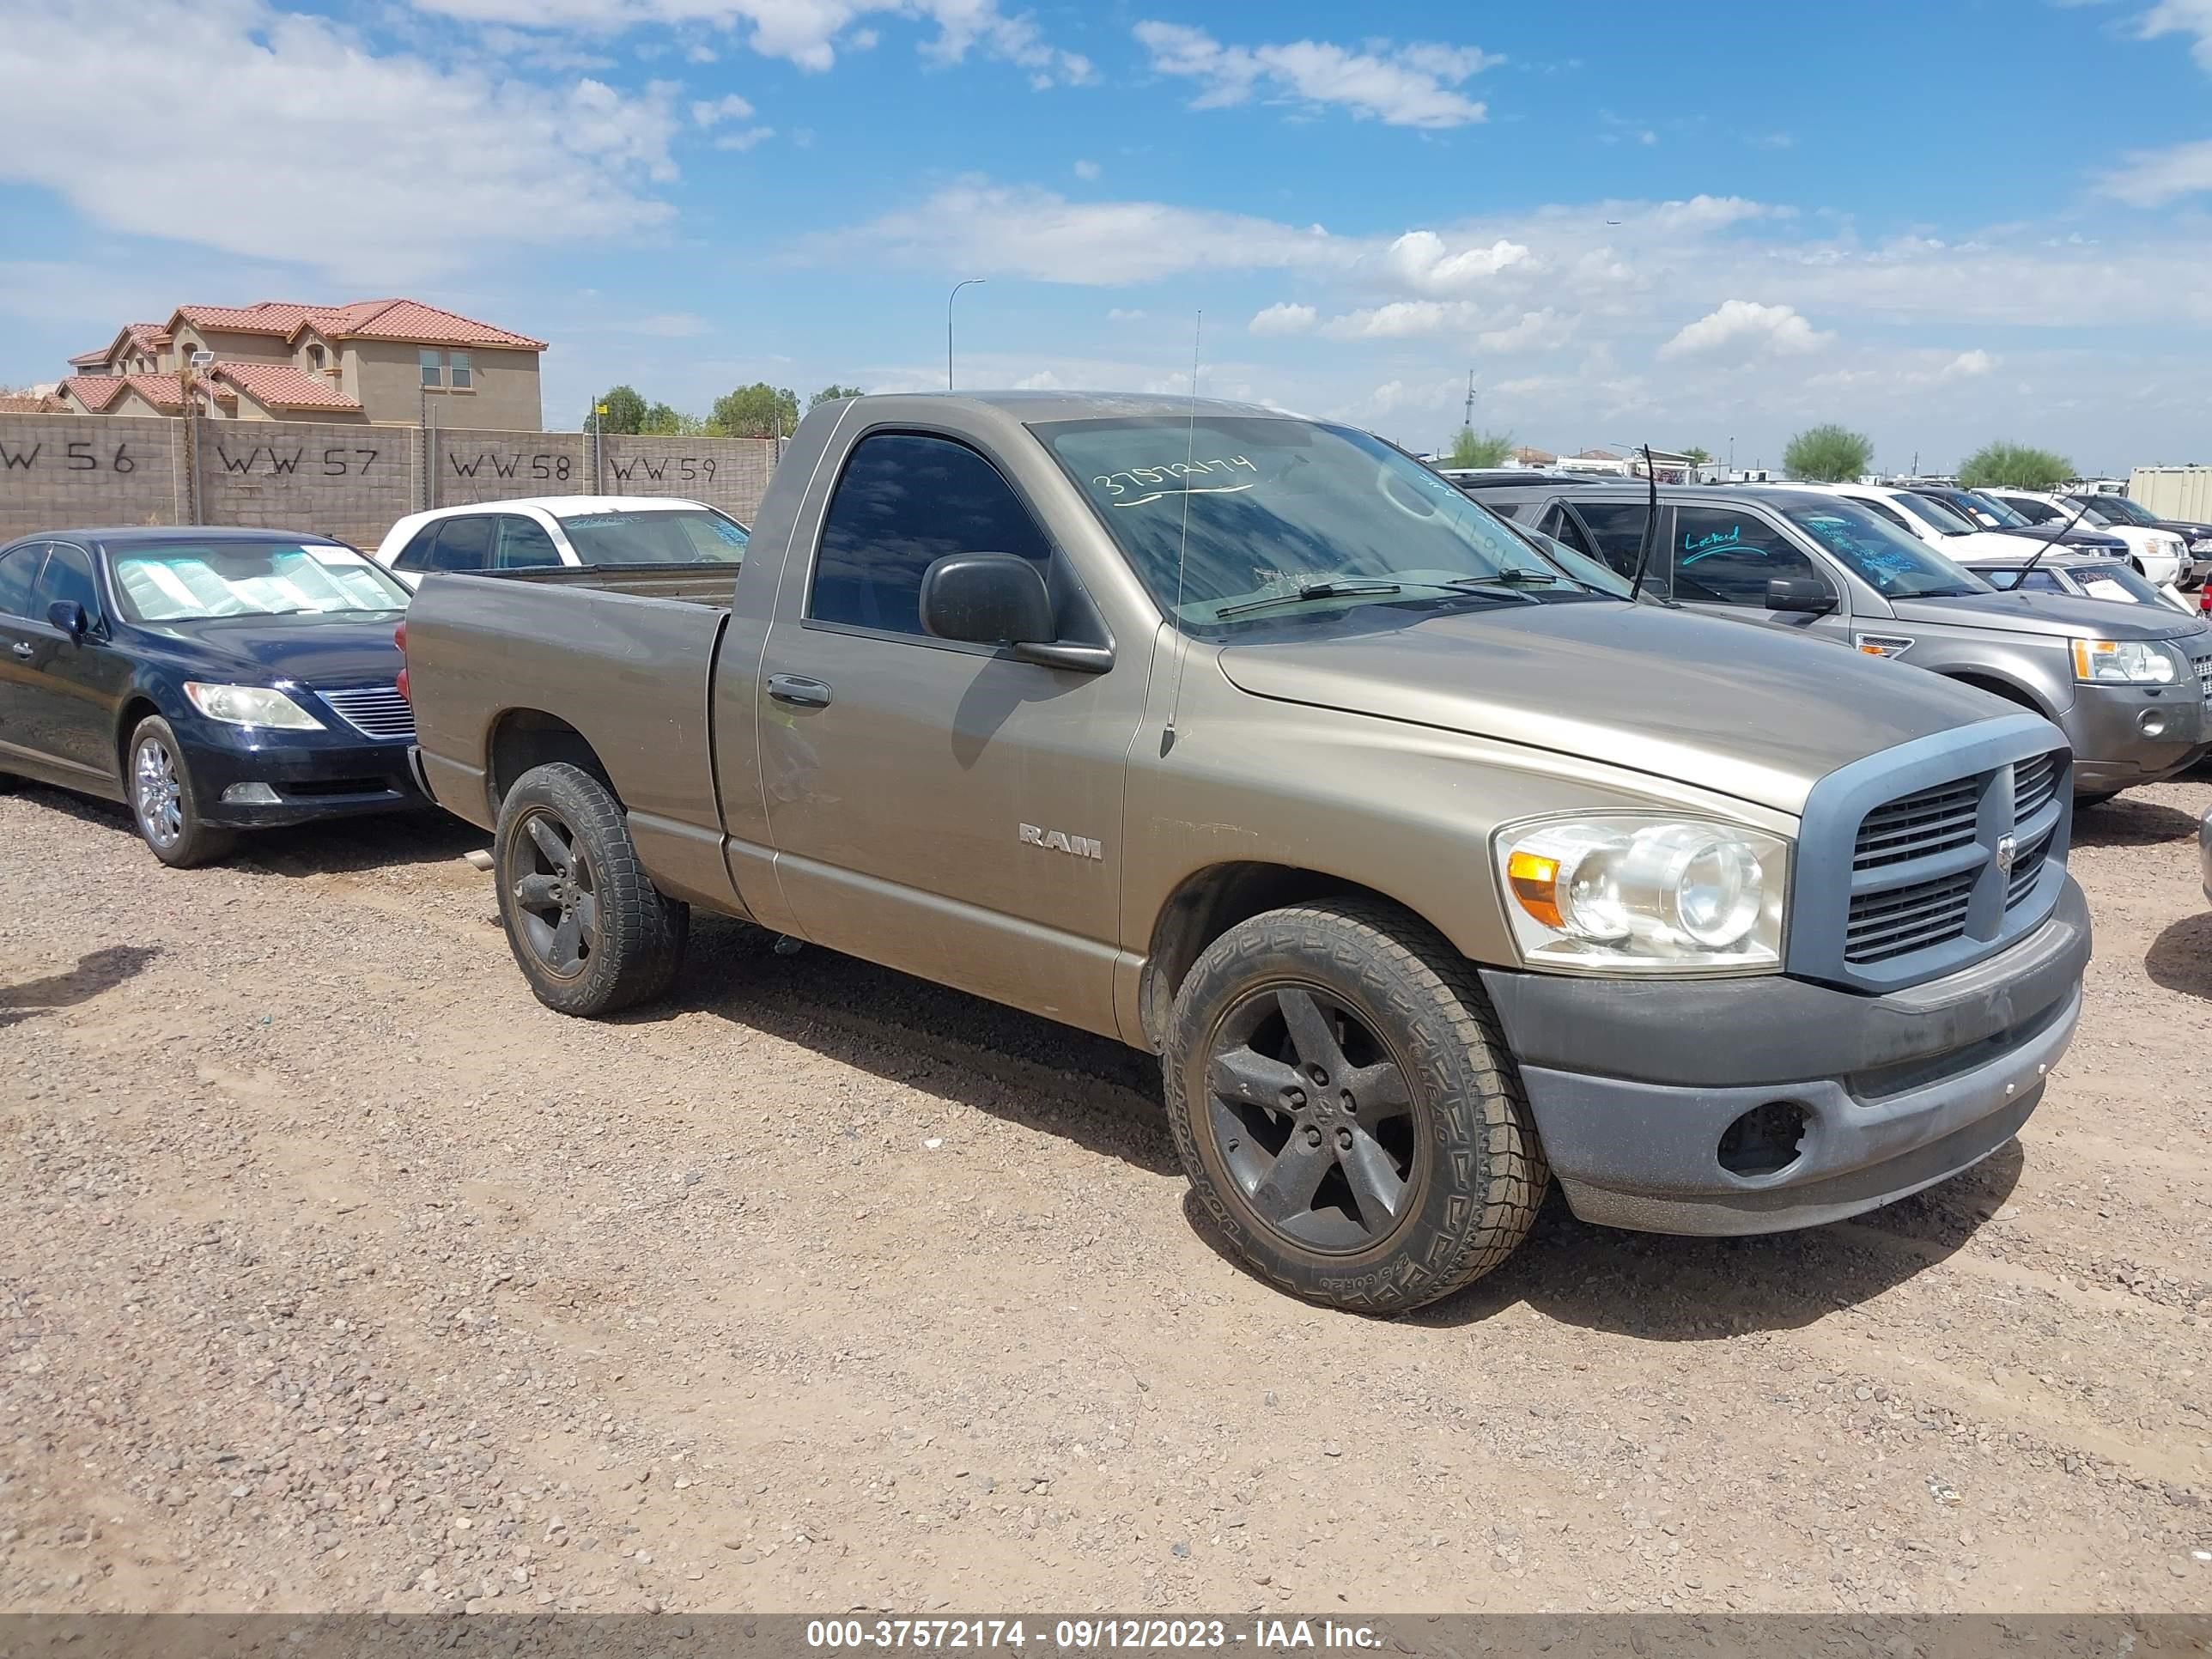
1346	1109
588	929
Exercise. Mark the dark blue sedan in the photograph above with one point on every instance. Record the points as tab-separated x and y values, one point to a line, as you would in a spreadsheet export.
212	680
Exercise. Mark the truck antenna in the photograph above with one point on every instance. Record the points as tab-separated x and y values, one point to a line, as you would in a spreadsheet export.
1182	552
1650	527
2020	584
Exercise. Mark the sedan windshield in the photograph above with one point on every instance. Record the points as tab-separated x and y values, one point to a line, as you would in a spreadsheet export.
2005	516
2118	509
1227	517
1891	561
672	536
193	581
1939	516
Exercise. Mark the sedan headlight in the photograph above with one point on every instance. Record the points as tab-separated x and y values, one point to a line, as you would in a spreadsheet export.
2123	662
1631	894
251	705
2202	544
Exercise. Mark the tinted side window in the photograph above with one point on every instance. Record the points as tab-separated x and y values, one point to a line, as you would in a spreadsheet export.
68	575
18	570
1617	530
905	501
1558	522
462	544
415	555
524	544
2039	581
1722	557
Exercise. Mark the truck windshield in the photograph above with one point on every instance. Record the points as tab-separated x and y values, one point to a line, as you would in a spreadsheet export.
1996	510
1893	563
194	581
1224	517
2118	509
670	535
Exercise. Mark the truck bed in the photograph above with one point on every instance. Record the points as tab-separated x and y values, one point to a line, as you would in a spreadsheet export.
692	584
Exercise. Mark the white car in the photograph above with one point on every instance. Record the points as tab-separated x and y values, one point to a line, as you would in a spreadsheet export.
2160	555
1927	520
560	530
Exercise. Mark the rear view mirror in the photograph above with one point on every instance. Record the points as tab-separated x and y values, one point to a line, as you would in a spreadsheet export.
1800	594
986	598
68	616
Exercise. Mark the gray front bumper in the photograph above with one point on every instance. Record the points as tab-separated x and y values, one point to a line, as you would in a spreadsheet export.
2110	749
1632	1084
2204	851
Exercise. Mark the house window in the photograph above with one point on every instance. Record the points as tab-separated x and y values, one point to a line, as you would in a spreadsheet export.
314	357
433	366
456	363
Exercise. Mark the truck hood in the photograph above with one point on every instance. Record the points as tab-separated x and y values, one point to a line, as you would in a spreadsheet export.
2052	613
1742	709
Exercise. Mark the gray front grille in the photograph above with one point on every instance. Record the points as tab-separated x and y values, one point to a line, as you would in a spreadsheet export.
2027	868
1916	825
375	711
2032	783
1907	918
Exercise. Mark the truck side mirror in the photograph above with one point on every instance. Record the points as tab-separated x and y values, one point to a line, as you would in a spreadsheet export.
986	598
1800	594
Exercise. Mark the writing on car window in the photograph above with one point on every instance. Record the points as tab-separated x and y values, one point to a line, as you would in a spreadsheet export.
1151	483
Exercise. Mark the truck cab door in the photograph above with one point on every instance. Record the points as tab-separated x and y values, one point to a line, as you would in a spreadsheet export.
942	808
1724	556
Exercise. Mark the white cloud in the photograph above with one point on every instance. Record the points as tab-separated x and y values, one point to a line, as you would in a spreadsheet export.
1409	86
1747	329
544	163
2151	177
1422	261
1043	381
745	140
2181	17
1535	331
1708	213
998	229
1403	319
1125	314
1968	365
1086	170
1284	318
728	108
808	33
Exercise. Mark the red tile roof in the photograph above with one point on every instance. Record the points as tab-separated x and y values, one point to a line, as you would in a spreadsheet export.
12	403
97	391
142	336
280	386
408	321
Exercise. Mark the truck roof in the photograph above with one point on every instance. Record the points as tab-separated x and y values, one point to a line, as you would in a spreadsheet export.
1028	406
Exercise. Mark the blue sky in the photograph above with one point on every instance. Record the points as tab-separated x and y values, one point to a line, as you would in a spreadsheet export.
1940	223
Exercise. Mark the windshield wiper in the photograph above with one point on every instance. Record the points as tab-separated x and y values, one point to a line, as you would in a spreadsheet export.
1513	576
1306	591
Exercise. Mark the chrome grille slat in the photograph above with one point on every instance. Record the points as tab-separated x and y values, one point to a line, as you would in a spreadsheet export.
374	711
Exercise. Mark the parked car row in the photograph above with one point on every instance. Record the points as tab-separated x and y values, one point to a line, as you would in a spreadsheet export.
1247	739
2127	681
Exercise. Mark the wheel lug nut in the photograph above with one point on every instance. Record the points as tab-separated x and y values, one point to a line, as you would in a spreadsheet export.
1344	1139
1313	1137
1318	1075
1294	1098
1350	1104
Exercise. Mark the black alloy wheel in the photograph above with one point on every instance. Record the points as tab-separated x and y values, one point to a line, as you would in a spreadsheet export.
555	898
1312	1118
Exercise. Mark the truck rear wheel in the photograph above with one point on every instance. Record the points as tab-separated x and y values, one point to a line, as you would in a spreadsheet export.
1346	1109
588	929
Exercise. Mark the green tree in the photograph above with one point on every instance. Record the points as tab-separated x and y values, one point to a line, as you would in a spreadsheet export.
758	411
2020	465
830	394
1473	448
1829	454
662	422
1697	454
625	410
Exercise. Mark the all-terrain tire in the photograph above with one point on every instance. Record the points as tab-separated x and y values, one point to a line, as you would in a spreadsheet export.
633	942
1478	1175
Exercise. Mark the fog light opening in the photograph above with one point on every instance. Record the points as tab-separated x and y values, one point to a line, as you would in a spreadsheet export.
250	794
2153	723
1765	1140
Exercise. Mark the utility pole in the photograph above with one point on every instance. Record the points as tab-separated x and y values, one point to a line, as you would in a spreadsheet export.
973	282
1468	421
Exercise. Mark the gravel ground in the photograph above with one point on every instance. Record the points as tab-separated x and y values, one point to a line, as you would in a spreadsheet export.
340	1275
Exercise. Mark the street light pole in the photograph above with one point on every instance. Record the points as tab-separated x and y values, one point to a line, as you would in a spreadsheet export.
973	282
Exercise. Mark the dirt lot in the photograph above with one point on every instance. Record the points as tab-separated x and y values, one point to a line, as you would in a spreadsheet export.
338	1274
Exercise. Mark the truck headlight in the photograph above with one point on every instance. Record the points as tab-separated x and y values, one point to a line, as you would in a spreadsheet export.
2202	544
1630	894
2123	662
251	705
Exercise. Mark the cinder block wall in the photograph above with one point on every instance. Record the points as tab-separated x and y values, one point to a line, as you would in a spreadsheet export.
346	481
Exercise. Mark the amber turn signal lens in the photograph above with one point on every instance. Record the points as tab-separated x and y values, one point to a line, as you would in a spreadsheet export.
1535	881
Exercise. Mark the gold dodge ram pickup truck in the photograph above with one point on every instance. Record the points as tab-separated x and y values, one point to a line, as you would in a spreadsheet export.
1432	873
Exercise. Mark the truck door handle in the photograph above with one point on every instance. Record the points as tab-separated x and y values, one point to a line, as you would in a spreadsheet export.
26	650
799	691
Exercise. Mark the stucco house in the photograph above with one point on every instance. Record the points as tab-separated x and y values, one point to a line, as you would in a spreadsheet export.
376	362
